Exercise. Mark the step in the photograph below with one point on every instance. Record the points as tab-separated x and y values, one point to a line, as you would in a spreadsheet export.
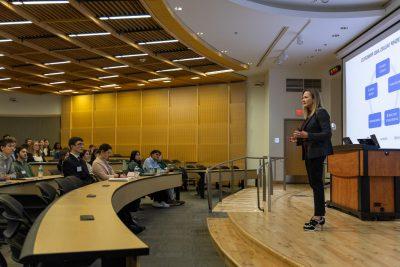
238	250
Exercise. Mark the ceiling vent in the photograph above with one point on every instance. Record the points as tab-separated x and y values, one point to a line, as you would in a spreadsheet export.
298	85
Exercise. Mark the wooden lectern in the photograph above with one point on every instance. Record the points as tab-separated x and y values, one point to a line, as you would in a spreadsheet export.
365	181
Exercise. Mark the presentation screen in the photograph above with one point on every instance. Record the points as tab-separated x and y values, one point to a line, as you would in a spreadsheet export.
372	90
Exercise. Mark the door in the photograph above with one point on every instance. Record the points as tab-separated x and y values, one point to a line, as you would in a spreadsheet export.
295	170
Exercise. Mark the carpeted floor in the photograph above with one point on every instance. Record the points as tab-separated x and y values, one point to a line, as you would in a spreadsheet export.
177	236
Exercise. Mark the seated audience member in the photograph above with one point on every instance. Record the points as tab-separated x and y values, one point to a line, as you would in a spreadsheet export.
151	165
135	162
21	166
6	167
46	148
92	148
56	150
64	154
74	165
93	156
28	141
14	146
86	157
102	169
6	136
37	154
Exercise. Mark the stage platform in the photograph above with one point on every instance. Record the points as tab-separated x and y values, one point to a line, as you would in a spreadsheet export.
248	237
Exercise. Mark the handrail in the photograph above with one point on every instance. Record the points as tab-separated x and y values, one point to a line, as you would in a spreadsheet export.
264	162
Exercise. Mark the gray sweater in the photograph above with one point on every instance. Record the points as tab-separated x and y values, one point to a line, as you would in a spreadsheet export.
6	166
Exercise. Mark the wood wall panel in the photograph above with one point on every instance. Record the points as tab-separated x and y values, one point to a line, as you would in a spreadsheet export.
65	120
205	124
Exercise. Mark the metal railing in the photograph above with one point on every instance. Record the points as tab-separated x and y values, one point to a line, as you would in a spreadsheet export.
264	163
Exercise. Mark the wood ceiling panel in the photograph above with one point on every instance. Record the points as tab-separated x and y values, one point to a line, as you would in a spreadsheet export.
13	48
25	31
52	12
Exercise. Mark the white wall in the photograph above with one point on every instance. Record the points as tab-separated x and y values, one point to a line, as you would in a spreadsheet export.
257	118
29	105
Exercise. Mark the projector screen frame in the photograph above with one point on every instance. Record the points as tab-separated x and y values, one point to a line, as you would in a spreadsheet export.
376	39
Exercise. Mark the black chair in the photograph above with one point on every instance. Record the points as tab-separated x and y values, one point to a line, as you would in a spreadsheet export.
65	185
75	180
49	193
3	262
18	224
54	172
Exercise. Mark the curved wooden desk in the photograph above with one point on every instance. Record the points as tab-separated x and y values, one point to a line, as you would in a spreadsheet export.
58	233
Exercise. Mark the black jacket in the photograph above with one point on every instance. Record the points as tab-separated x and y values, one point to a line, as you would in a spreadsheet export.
318	143
74	167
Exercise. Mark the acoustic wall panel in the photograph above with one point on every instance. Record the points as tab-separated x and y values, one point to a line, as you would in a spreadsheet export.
205	124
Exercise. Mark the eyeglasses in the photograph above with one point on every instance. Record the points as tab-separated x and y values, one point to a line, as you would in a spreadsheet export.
79	144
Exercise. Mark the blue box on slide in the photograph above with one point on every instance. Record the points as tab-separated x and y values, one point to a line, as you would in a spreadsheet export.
375	120
371	91
394	83
392	116
383	67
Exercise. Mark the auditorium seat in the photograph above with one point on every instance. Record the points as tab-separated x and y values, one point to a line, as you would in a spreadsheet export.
75	180
49	193
65	185
18	224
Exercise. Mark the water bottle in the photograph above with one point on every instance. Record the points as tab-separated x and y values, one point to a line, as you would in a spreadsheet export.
124	166
40	171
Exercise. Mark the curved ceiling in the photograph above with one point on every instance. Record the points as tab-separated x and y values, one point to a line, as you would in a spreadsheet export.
248	33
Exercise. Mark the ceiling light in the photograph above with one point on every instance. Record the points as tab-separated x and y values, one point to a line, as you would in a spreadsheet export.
118	87
126	17
115	67
218	71
132	55
178	8
167	81
169	70
53	73
1	55
5	40
57	63
158	42
15	22
285	55
140	84
2	68
75	92
108	77
335	35
159	79
95	90
200	33
15	87
108	85
88	34
65	91
195	78
188	59
6	90
224	51
57	82
39	2
5	79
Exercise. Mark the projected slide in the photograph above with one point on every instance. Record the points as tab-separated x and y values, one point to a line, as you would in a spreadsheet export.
373	93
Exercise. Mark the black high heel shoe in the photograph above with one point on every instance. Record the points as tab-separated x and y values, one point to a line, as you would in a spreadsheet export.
314	225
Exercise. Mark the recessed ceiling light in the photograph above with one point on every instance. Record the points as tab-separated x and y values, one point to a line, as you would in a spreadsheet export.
39	2
118	87
61	82
178	8
15	87
53	73
200	33
167	81
88	34
335	35
108	85
132	55
115	67
1	55
344	28
2	68
218	72
108	77
66	91
188	59
195	78
75	92
159	79
169	70
5	79
158	42
15	22
5	40
57	63
140	84
224	51
145	16
95	90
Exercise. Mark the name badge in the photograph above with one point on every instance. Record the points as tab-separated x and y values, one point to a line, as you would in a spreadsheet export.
79	169
23	172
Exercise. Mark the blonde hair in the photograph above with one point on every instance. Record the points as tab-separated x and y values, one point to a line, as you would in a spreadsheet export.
317	103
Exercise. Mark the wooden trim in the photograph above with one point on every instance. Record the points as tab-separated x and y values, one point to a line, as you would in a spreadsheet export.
161	12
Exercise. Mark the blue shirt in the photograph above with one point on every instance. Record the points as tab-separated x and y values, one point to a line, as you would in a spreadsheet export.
150	164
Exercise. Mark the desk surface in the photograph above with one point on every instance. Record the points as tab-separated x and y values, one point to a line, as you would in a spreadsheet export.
28	180
58	231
